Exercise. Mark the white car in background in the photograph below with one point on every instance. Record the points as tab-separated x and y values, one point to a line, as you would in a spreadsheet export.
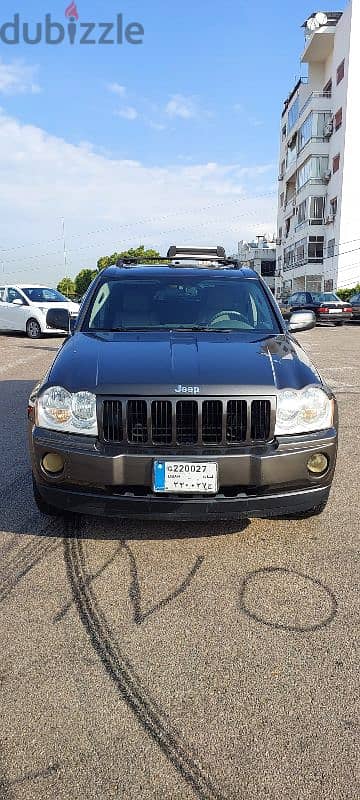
23	307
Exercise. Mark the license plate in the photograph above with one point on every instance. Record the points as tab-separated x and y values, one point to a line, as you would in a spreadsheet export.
335	310
181	477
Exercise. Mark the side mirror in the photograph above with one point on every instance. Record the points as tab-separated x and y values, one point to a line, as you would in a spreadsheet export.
301	321
58	319
18	302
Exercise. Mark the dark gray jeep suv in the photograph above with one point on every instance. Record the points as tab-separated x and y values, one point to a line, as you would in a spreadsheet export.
181	392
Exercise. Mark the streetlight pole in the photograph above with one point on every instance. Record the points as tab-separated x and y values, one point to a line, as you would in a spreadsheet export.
64	244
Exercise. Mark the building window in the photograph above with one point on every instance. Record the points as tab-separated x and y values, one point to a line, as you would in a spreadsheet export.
315	249
293	114
328	285
280	234
313	169
340	72
287	226
268	269
333	206
338	119
289	257
336	162
305	132
331	248
283	132
317	205
282	199
302	212
328	88
323	121
301	252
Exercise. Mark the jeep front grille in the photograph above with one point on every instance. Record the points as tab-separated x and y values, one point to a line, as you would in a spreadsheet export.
184	423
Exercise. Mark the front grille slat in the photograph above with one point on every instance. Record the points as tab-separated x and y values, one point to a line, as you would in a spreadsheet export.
260	419
210	422
236	428
161	417
137	422
112	421
212	412
187	422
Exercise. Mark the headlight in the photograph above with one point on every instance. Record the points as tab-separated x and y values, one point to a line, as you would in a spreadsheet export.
59	410
304	410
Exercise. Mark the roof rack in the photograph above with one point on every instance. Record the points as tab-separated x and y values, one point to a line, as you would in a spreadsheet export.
208	257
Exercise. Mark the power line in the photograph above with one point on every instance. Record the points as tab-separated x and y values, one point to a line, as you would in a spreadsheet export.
147	220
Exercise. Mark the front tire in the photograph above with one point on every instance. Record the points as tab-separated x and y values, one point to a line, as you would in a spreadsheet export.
33	330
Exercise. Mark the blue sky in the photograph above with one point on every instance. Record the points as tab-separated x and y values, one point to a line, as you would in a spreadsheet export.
198	102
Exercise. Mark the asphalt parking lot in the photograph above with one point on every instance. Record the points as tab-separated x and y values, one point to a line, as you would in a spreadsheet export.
158	661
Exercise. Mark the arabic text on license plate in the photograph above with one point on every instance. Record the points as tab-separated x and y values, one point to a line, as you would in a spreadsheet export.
335	310
186	476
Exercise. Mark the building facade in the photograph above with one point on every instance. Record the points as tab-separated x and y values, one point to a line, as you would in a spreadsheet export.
260	255
318	244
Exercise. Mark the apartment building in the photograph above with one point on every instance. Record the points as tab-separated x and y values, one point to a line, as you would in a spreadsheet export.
261	256
318	244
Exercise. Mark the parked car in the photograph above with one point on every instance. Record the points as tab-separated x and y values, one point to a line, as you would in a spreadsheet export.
326	306
182	393
354	301
23	307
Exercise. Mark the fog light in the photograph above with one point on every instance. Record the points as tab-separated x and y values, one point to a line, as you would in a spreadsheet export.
318	464
53	463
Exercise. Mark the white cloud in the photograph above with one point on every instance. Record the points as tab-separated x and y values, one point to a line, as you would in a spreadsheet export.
18	78
111	203
128	112
116	88
181	106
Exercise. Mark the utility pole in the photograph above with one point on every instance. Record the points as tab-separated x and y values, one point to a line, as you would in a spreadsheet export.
64	245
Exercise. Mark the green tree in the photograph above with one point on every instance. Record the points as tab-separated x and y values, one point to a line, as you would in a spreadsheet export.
133	252
345	294
67	287
83	280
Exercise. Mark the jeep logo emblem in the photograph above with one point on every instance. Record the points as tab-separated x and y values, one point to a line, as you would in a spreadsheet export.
187	389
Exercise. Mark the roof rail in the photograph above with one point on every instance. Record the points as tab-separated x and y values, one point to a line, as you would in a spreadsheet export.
210	257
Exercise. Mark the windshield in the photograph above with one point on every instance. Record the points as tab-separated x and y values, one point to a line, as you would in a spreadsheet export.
189	303
325	297
43	295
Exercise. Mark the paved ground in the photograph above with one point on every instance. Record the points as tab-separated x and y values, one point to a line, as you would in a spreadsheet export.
131	662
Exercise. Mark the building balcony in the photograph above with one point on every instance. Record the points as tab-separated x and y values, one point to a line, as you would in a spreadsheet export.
319	45
316	101
303	227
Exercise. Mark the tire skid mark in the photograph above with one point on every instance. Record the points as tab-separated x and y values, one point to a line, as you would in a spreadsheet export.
25	558
154	721
135	591
61	614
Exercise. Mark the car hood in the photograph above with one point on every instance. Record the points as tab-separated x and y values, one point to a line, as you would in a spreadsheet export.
159	363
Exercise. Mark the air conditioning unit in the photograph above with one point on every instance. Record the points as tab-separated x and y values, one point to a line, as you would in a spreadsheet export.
329	219
278	242
281	177
328	129
327	175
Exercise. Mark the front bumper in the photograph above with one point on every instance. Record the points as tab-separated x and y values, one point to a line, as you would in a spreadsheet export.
262	480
